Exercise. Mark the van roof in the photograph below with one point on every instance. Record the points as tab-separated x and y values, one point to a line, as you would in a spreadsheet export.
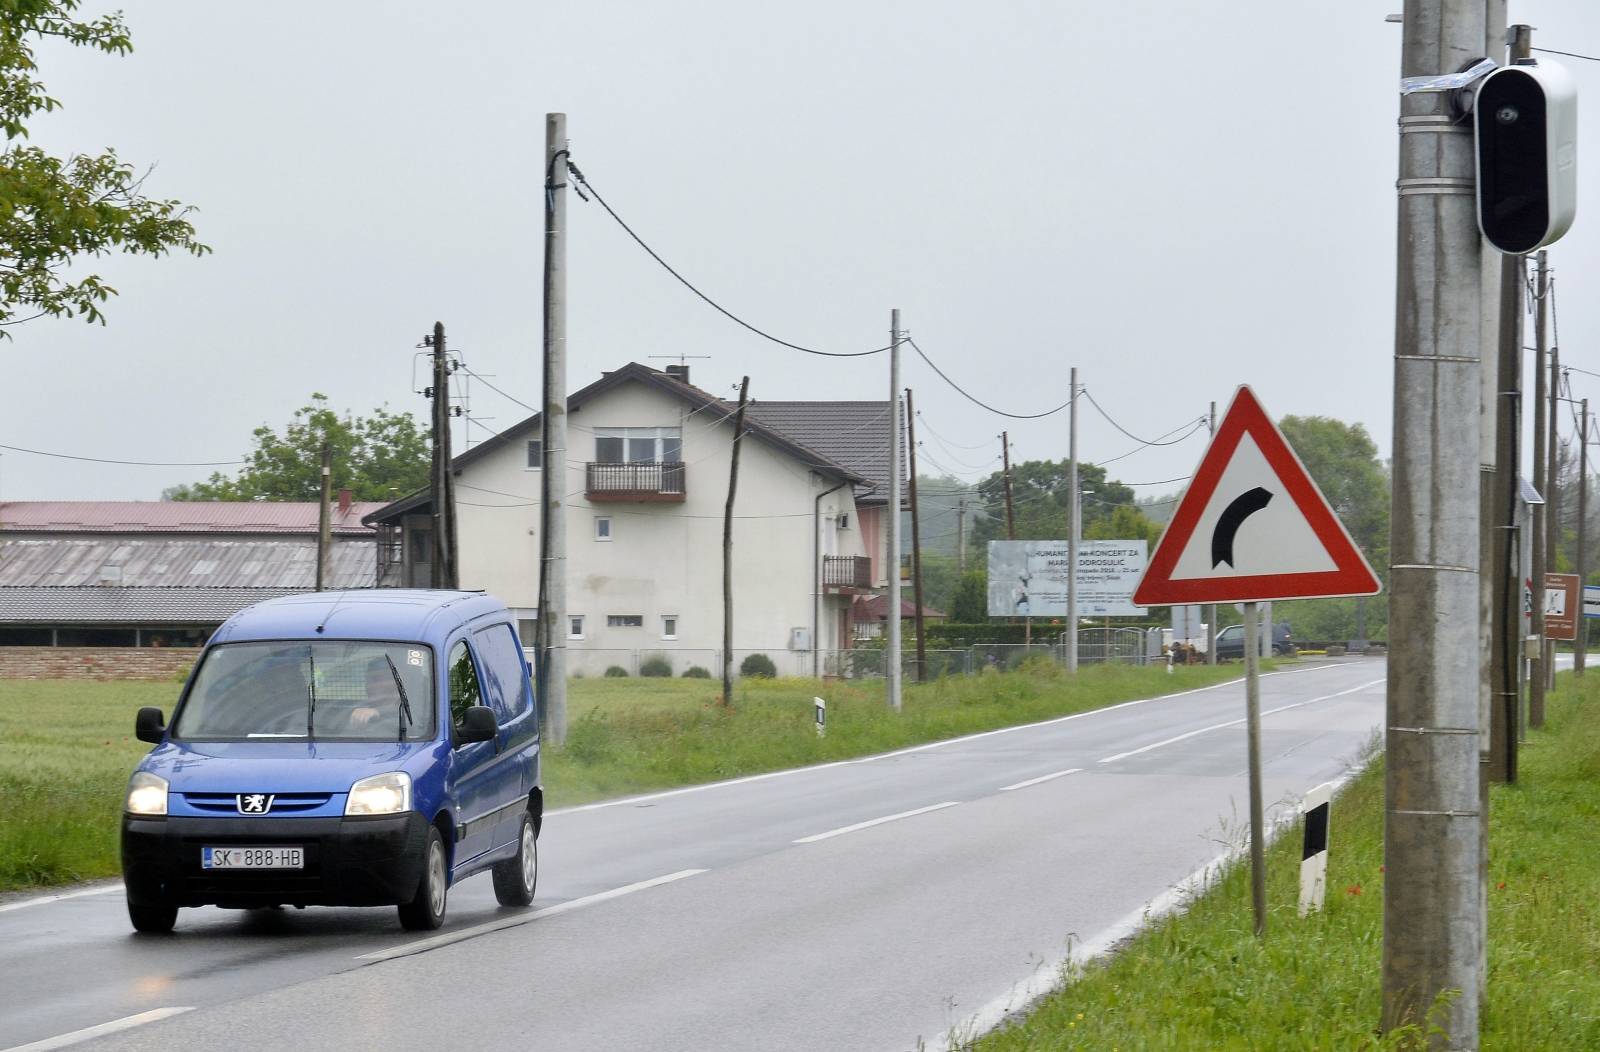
410	615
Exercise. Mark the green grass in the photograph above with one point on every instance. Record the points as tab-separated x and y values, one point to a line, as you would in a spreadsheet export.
67	747
1201	980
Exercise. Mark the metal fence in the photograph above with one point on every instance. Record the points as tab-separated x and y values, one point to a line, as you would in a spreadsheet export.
1112	646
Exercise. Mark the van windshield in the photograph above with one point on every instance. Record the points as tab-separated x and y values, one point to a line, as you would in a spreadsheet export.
322	690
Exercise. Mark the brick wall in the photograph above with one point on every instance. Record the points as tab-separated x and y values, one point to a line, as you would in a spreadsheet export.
151	663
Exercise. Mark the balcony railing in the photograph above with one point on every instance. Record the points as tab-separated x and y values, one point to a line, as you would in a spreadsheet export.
846	571
639	481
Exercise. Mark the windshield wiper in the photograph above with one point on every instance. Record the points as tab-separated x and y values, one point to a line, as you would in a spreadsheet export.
311	695
405	703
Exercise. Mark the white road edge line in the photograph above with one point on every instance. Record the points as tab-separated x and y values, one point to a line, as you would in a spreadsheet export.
787	772
1235	723
449	937
43	899
842	830
100	1030
1051	975
1041	778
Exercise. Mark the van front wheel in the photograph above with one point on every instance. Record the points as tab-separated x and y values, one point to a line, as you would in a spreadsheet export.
425	911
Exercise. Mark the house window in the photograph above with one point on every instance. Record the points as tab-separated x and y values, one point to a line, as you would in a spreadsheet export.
421	546
669	626
575	626
636	445
527	625
624	620
535	454
602	527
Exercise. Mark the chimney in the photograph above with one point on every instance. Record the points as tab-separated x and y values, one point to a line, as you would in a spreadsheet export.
344	502
678	372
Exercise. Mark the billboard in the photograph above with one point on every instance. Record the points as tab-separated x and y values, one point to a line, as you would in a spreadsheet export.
1029	578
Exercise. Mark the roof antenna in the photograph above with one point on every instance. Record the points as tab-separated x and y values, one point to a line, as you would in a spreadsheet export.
329	615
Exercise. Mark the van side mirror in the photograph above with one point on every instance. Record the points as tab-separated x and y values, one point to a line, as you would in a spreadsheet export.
149	725
477	725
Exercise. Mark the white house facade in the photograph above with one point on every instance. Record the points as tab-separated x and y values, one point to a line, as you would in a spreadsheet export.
645	482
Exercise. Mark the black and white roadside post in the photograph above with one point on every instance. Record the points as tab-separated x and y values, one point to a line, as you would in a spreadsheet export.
822	716
1253	527
1314	848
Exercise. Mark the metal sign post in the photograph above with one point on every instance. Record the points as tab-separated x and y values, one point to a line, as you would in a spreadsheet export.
1252	704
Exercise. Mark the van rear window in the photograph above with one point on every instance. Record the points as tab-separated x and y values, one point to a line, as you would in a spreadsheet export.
323	690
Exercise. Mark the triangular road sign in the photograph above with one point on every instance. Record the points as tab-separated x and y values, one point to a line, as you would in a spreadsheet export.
1252	526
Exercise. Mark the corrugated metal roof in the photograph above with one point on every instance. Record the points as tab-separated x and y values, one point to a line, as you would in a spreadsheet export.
175	516
128	606
181	561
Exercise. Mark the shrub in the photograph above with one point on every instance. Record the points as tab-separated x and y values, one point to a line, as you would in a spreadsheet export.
696	672
656	665
616	672
759	666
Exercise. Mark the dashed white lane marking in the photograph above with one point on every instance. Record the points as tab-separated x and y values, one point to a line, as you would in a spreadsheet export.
433	943
625	801
43	899
101	1030
1041	778
1235	723
842	830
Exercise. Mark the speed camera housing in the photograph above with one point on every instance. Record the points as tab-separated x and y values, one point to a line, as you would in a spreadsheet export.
1527	129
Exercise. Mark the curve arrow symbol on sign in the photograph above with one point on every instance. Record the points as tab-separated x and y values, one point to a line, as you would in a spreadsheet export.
1243	506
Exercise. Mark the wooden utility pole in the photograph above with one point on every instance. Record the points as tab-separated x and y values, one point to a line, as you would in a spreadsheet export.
553	628
1581	645
727	548
916	540
324	527
961	534
1539	515
442	491
1433	928
1005	456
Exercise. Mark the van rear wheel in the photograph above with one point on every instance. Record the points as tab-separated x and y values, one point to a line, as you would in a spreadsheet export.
425	911
516	877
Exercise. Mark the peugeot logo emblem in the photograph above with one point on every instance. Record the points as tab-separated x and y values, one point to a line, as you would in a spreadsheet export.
253	803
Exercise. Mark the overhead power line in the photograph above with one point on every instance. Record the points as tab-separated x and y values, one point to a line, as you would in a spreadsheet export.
1143	441
686	283
130	463
1569	54
964	393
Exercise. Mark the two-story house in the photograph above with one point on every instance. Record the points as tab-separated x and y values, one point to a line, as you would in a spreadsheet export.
644	484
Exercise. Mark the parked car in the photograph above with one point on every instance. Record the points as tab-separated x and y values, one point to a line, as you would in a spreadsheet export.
1230	642
368	748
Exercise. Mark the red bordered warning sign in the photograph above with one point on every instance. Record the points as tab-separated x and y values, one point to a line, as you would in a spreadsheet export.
1252	526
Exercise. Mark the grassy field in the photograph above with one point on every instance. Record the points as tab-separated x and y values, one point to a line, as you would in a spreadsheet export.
67	747
1202	981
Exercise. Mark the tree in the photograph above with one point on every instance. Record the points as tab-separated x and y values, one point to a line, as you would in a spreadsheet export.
971	603
58	210
1039	496
380	457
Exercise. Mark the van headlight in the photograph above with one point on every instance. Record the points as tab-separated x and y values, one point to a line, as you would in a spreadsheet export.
147	794
382	794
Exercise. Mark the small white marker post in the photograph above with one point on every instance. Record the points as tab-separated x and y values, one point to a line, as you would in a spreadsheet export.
1314	848
822	716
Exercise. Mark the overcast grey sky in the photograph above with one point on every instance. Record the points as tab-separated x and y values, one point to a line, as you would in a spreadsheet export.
1172	200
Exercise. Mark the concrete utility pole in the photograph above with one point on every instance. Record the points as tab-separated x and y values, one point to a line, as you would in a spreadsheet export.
1581	645
1552	503
324	527
552	483
1211	611
443	571
892	614
1073	520
1544	483
1433	927
916	541
727	548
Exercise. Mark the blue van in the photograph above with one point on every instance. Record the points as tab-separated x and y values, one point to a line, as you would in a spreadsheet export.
366	748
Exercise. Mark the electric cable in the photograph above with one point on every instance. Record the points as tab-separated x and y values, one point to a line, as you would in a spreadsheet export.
130	463
1569	54
1130	434
978	401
